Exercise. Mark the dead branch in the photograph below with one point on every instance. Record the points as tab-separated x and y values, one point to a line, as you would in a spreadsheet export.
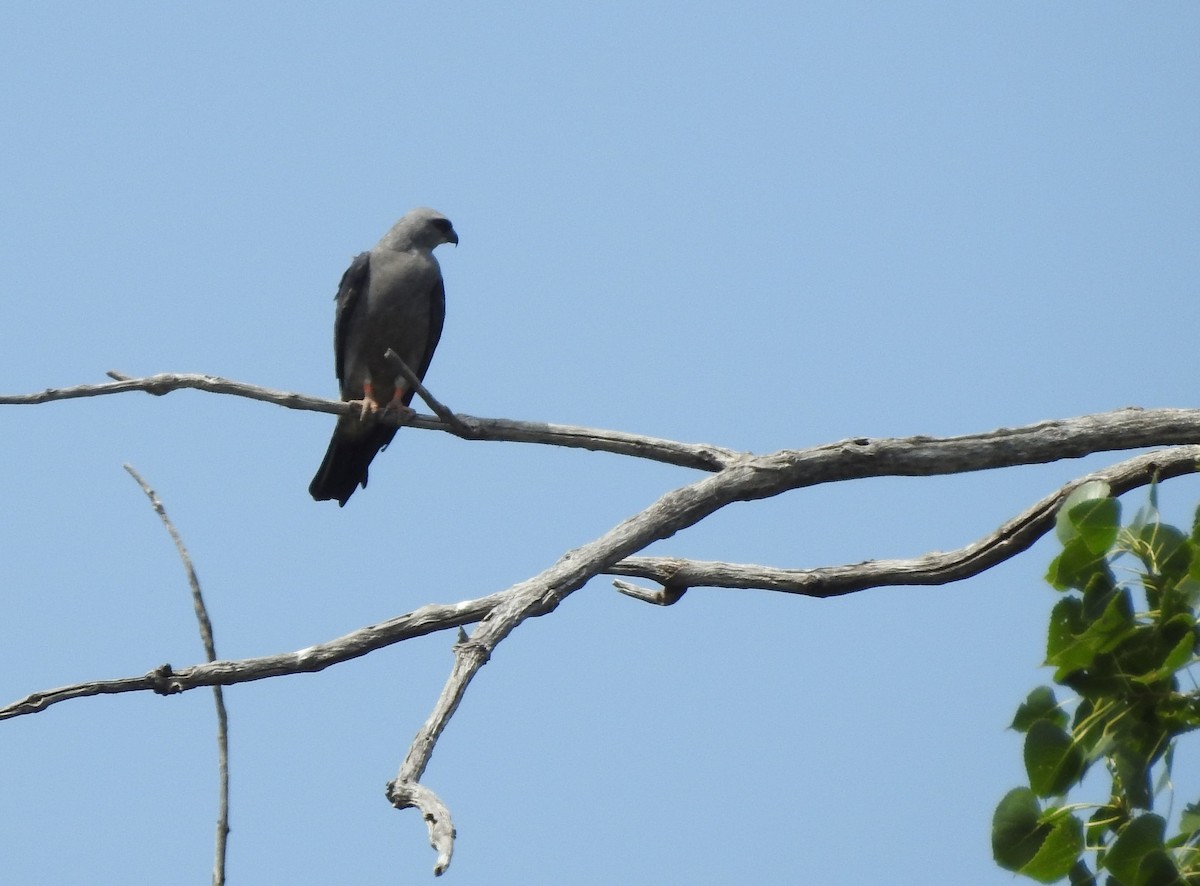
735	477
436	815
1013	537
165	680
685	455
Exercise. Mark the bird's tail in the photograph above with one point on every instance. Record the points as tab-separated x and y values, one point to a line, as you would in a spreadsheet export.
344	467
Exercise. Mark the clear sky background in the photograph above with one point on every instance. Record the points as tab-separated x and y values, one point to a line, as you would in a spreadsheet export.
763	226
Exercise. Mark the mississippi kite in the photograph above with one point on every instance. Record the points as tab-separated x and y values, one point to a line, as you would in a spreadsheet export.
390	297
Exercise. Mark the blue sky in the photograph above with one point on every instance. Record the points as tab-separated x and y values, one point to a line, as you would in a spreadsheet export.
760	228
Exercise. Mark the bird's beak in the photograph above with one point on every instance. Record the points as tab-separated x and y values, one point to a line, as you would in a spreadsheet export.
452	237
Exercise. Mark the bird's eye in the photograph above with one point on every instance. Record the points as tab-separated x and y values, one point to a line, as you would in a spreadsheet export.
442	224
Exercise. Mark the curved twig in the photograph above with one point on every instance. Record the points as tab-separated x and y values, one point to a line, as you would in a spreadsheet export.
210	651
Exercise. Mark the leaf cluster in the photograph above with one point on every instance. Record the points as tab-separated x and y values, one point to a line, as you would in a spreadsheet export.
1122	668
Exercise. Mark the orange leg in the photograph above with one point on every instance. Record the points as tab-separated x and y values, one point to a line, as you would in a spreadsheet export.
397	405
368	405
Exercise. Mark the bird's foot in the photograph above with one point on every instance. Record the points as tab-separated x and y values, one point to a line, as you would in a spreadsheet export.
366	406
398	410
396	407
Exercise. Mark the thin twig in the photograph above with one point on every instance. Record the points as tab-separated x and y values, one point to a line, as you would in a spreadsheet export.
210	651
443	412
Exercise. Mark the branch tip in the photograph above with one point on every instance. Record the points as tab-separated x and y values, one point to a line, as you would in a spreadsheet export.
435	814
447	416
666	595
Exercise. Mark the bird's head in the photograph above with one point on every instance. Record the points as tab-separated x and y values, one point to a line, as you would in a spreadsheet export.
423	227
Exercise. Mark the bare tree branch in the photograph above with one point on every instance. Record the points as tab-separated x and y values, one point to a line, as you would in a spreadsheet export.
685	455
210	651
165	680
1018	534
436	815
668	595
737	477
1046	441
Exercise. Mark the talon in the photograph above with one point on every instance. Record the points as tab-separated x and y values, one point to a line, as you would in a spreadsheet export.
400	410
396	406
366	406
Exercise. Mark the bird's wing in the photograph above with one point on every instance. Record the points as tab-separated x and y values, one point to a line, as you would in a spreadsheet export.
437	317
351	297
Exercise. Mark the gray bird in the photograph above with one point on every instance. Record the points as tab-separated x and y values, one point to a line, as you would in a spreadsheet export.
390	297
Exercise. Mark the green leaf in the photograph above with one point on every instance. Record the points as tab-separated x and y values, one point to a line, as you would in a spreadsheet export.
1166	772
1078	567
1163	549
1189	821
1091	729
1158	869
1039	705
1113	625
1063	649
1096	523
1044	848
1196	526
1173	649
1146	514
1017	830
1174	552
1059	853
1052	760
1106	819
1137	840
1081	875
1131	775
1066	525
1188	588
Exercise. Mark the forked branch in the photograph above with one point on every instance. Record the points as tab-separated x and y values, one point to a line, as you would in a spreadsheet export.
733	477
937	568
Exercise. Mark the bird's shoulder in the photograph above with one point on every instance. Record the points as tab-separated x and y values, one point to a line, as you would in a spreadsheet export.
350	297
356	278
